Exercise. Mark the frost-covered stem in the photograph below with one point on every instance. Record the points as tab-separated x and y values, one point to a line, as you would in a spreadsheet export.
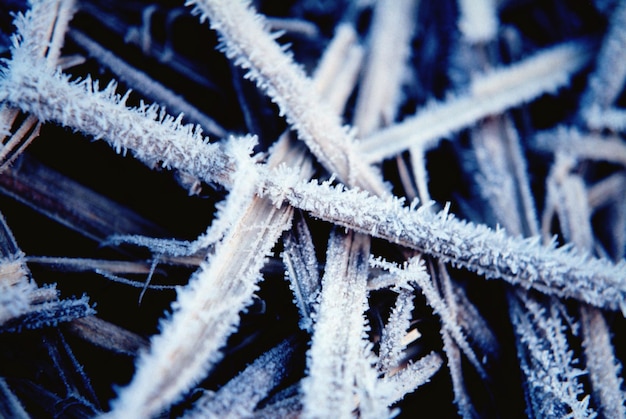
410	378
392	338
19	140
247	42
339	68
612	118
42	28
389	49
205	314
582	146
10	406
65	12
453	355
604	368
338	345
302	271
240	396
560	272
418	164
492	93
414	272
207	310
152	135
141	82
573	211
552	385
467	315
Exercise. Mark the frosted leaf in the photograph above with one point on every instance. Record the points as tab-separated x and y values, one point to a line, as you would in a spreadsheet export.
492	93
562	272
302	271
246	41
337	364
408	379
240	396
414	272
552	381
205	314
392	339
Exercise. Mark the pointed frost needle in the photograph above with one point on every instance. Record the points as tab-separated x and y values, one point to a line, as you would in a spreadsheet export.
494	92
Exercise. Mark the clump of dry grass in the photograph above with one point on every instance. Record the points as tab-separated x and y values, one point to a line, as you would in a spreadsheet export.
362	208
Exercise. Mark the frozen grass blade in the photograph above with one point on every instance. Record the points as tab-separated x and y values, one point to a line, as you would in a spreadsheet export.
247	42
560	272
492	93
240	396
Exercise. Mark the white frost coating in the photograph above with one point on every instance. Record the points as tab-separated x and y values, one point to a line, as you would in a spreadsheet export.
389	50
250	46
563	272
493	92
392	339
553	388
155	137
478	20
413	271
410	378
611	118
206	312
335	359
240	396
461	396
302	271
580	145
604	369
